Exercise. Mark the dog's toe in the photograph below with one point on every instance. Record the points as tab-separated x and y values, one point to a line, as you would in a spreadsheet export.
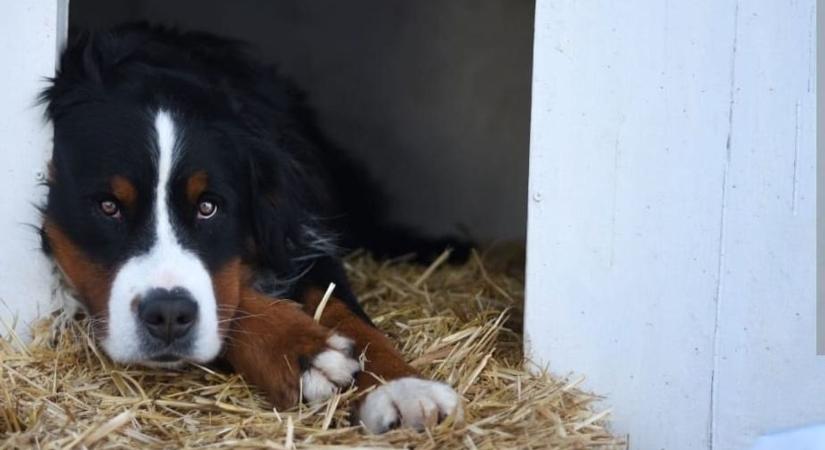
409	402
330	370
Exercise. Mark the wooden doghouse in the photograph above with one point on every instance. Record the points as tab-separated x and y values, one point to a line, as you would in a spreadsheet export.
670	209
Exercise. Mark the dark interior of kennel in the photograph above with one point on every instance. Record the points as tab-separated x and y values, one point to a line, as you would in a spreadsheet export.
432	96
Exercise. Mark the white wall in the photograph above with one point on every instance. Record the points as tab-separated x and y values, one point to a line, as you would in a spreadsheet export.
30	33
672	213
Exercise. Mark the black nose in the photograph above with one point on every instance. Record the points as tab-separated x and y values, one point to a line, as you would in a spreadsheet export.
168	314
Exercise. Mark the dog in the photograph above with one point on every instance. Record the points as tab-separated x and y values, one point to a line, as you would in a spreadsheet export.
198	213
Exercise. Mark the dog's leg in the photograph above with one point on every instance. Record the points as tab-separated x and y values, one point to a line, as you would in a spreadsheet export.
404	398
279	348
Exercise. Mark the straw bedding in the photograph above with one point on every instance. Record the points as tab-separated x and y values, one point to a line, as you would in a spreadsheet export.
457	324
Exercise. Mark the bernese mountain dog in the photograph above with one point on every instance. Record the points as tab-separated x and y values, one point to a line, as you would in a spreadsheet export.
198	214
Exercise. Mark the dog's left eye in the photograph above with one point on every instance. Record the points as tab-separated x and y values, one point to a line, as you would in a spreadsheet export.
110	208
207	209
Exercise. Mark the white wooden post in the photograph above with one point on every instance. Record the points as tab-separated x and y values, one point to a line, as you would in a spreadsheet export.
30	36
671	225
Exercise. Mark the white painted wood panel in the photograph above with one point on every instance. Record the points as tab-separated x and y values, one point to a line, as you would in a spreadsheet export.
638	240
30	33
767	373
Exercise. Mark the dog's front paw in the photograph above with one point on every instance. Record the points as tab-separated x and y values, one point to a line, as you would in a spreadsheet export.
409	402
331	369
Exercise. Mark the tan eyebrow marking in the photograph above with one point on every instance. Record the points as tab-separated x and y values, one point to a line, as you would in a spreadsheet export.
195	185
124	190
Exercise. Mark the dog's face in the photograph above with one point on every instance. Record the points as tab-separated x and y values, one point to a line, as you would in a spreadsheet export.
147	219
175	180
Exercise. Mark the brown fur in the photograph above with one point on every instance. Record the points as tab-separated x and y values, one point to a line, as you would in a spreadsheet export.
383	361
226	282
124	191
195	185
266	342
91	281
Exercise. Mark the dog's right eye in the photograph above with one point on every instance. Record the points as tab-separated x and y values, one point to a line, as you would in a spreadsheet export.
110	208
207	209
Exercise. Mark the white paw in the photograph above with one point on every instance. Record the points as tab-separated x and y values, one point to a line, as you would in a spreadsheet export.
409	402
330	370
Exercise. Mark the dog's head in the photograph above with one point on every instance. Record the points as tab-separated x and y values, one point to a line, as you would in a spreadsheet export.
167	187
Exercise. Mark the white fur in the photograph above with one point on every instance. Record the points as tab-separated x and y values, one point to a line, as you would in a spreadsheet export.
320	244
167	265
420	403
331	370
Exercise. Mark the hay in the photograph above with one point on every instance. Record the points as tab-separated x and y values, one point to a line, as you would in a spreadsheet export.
458	324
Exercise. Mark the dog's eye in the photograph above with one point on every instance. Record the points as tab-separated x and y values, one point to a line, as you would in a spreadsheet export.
207	209
110	208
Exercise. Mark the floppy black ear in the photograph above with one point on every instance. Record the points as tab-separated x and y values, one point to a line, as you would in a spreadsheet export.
280	213
88	61
79	67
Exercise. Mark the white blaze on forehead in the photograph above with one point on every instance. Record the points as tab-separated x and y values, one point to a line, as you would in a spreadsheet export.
166	140
166	265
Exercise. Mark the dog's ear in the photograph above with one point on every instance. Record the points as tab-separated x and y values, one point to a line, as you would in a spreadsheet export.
89	60
277	212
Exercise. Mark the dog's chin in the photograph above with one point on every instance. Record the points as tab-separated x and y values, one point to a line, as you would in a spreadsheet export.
165	358
168	360
148	352
163	361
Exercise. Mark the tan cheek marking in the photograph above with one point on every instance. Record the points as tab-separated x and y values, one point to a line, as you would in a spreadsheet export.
124	190
226	283
91	281
195	186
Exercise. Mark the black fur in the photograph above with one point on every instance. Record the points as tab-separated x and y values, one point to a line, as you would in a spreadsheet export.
281	185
